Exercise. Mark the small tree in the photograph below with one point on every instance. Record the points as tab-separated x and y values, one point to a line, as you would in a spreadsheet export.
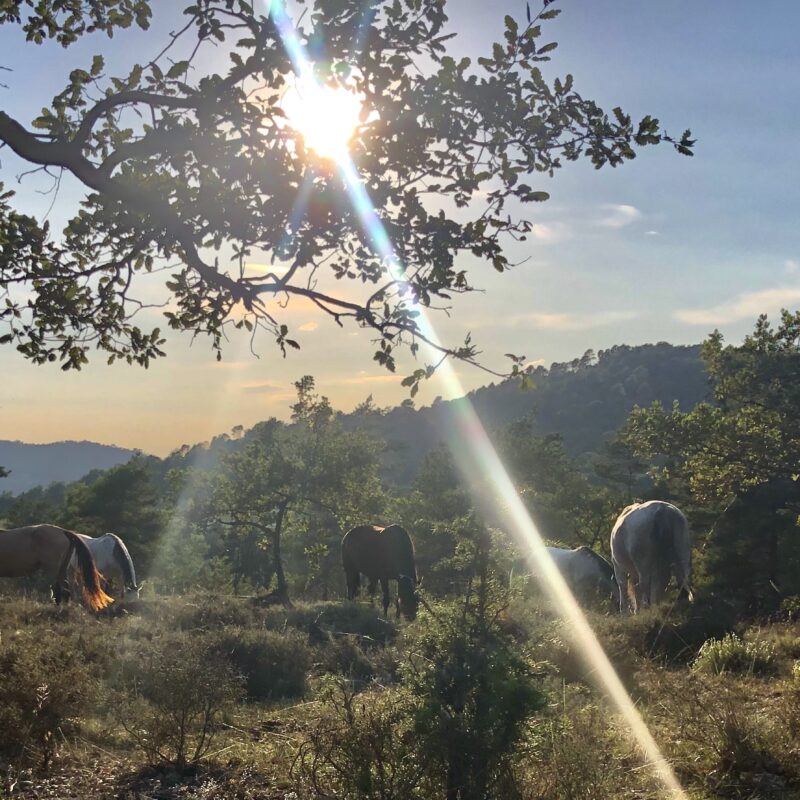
474	686
285	477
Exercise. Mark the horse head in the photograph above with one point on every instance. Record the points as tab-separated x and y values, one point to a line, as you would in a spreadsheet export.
408	597
131	593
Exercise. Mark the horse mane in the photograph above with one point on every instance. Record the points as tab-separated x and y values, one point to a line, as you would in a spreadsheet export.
596	556
124	560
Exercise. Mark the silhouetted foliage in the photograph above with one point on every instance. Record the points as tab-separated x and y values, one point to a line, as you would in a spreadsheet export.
196	168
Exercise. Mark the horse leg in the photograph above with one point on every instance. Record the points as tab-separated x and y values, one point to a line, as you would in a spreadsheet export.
372	587
643	589
623	579
353	584
385	588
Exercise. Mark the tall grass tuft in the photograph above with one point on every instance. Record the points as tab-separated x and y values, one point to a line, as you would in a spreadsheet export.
732	654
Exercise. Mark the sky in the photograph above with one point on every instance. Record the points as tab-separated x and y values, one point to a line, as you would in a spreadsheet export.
664	248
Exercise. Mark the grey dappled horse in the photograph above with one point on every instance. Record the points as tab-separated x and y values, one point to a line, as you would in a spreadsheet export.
649	543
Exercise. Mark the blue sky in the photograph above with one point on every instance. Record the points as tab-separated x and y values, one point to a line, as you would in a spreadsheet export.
663	248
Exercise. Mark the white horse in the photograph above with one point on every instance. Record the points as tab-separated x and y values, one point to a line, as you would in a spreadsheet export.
585	571
649	543
115	563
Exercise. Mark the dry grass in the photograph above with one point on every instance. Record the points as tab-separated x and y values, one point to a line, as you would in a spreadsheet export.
727	735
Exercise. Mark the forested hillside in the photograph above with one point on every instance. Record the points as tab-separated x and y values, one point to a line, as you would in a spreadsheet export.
584	401
32	465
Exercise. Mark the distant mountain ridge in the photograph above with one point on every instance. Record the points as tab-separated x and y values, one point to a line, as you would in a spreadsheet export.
42	464
585	401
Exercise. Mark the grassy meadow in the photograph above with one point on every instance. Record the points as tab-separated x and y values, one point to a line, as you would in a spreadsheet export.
202	696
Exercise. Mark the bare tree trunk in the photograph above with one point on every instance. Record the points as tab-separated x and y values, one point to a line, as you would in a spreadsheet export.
282	590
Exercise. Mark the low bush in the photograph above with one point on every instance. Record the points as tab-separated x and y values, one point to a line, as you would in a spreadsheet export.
45	686
211	612
363	746
790	608
717	734
171	699
731	654
574	753
361	619
274	665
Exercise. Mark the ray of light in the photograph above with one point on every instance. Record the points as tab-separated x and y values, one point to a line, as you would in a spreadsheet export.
482	465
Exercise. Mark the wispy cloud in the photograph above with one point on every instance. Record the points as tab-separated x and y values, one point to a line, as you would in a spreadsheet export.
262	387
652	233
309	326
363	378
791	266
230	364
571	321
618	216
746	306
551	232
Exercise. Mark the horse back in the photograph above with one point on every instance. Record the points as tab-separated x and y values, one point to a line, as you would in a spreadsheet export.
378	552
24	550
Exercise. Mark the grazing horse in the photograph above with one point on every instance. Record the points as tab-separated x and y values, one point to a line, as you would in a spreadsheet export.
382	554
649	542
48	548
586	571
114	562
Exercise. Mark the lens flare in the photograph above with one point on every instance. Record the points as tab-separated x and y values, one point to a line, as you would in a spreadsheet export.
482	466
325	116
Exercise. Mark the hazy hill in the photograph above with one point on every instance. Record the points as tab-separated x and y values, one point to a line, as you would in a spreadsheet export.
41	464
585	400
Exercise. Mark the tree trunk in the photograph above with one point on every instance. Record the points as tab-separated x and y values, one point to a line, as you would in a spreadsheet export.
282	590
772	559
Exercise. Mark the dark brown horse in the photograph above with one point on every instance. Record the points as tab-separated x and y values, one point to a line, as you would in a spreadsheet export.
381	554
48	549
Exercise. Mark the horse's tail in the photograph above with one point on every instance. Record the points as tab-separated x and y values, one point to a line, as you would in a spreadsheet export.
671	533
93	592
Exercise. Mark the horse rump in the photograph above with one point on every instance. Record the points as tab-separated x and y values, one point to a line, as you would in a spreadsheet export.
93	593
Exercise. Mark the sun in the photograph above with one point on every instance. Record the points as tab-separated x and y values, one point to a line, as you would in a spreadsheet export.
325	116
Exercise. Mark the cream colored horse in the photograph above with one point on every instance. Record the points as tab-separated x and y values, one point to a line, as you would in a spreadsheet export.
649	543
48	549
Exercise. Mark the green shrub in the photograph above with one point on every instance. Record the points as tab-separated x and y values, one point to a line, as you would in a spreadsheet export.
364	746
274	665
344	656
172	697
731	654
790	608
46	684
211	612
